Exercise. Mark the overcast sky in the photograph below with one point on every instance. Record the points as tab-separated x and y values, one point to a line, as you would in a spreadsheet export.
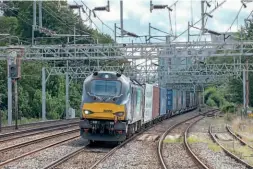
137	15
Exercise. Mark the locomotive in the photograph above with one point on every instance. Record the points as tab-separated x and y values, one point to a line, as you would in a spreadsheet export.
115	106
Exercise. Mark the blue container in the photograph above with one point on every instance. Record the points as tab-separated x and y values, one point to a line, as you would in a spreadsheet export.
169	99
163	101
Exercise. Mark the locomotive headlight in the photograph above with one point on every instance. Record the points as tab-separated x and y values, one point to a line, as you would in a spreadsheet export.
119	114
87	112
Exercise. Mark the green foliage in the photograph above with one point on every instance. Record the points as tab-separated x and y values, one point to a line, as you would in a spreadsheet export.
62	20
228	107
211	103
8	25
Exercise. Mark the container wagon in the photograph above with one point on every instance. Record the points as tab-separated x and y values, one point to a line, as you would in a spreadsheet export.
156	102
163	101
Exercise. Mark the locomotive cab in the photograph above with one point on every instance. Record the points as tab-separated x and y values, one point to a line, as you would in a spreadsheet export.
104	115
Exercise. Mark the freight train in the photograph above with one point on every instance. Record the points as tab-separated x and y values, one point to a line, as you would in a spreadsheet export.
114	106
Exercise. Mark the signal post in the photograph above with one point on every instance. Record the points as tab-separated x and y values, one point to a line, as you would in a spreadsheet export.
14	74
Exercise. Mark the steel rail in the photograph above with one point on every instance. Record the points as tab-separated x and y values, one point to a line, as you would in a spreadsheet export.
227	151
66	157
188	148
237	136
40	123
118	147
36	140
69	156
34	129
37	150
35	133
160	143
80	150
124	143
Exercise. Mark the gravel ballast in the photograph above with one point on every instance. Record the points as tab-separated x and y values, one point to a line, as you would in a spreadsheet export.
142	154
45	157
19	151
208	151
33	137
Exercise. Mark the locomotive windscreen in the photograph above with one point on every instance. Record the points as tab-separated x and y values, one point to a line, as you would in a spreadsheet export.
105	87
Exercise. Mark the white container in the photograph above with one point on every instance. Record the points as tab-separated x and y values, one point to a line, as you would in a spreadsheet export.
148	103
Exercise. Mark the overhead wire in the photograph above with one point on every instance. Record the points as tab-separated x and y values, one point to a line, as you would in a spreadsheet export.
52	13
199	20
103	24
236	17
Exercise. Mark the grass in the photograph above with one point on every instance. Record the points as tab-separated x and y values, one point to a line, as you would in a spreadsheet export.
243	152
211	145
173	140
194	139
214	147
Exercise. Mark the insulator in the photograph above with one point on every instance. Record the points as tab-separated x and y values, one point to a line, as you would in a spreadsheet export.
100	9
159	6
132	34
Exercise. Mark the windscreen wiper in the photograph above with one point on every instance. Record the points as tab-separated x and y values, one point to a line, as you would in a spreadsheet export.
94	96
111	98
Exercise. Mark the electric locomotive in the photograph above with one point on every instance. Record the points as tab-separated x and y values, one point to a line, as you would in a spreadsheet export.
112	107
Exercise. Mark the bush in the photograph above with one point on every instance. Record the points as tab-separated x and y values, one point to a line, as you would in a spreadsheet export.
211	103
228	107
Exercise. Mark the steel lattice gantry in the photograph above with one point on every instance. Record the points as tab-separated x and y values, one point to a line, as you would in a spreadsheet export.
134	51
184	77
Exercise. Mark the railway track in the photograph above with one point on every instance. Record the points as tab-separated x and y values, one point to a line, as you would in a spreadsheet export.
41	123
71	155
8	153
183	126
38	129
22	135
38	140
238	136
231	145
82	150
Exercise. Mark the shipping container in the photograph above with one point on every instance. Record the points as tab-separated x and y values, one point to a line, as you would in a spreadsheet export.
136	99
169	100
179	102
174	107
163	101
156	102
188	99
148	103
200	98
184	99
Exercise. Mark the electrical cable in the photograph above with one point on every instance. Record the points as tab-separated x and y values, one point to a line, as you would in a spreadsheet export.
98	18
234	19
171	28
200	19
52	13
159	30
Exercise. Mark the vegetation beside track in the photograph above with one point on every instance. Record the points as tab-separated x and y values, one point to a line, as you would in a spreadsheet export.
19	23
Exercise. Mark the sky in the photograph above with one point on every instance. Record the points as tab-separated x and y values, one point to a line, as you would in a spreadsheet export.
137	17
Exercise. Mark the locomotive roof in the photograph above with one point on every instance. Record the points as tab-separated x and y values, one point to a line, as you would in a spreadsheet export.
106	75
